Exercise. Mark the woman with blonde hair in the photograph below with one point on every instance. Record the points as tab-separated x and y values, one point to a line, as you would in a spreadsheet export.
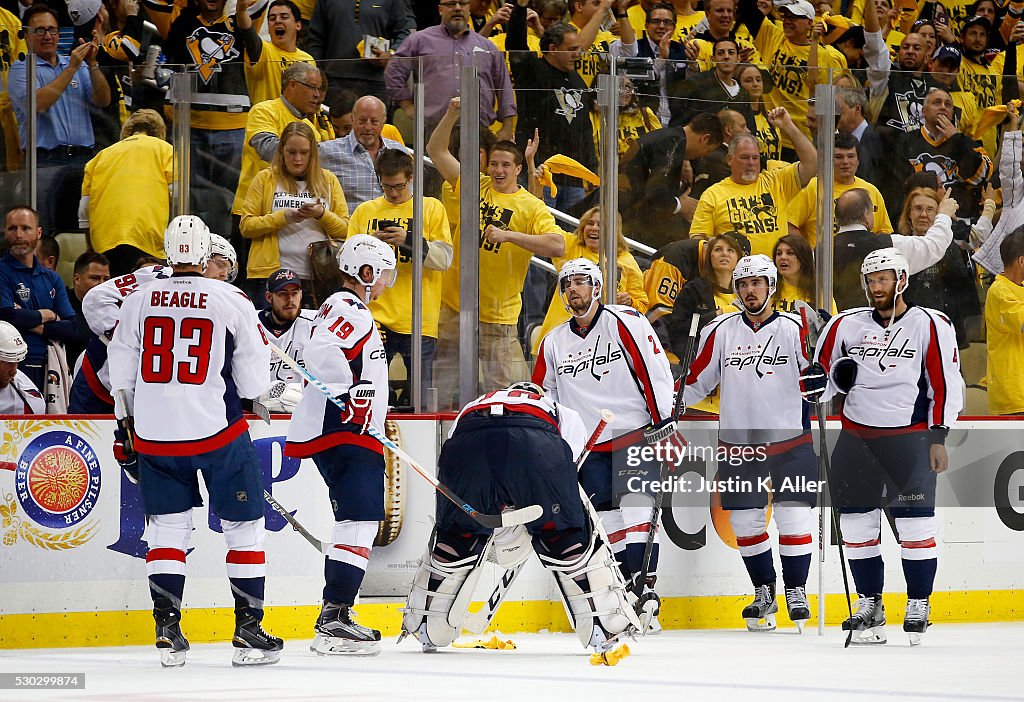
585	242
290	206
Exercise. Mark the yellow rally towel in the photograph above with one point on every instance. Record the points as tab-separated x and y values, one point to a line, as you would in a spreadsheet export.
992	116
566	166
494	643
837	26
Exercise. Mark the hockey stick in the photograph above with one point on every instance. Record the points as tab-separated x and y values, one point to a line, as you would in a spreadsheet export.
677	411
824	465
478	621
489	521
279	508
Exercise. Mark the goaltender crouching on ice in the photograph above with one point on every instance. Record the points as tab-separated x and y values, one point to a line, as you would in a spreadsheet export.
346	352
514	447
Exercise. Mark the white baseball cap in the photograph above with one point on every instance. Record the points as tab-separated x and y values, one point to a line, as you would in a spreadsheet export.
800	8
83	11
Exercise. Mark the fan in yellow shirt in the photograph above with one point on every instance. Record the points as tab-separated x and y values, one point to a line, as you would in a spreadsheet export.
263	71
585	242
390	219
751	201
795	262
514	225
1004	319
597	44
803	211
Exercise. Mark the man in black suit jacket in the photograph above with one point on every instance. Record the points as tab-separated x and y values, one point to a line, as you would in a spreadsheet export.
870	151
716	89
669	61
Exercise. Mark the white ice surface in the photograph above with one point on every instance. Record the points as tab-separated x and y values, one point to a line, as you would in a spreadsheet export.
956	662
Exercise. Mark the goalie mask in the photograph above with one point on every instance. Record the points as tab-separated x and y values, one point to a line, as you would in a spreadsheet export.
756	266
187	241
890	259
580	271
363	250
219	246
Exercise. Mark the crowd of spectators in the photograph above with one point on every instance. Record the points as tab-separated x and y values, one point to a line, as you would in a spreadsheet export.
300	133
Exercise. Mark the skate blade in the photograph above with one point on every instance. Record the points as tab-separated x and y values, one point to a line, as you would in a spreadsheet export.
337	646
649	619
765	624
869	637
170	658
915	638
254	656
800	625
611	657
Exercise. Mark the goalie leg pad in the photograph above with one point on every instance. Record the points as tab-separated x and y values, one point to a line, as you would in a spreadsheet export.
442	588
587	577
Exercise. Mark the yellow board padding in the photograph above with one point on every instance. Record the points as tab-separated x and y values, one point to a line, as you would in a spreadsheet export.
132	628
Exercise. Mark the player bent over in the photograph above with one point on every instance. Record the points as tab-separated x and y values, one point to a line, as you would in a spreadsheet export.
514	447
602	353
345	351
196	340
756	356
898	365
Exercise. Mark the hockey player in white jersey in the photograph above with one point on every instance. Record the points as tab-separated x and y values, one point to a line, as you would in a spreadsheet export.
755	357
515	447
223	261
18	394
602	354
90	390
898	365
287	326
347	354
186	353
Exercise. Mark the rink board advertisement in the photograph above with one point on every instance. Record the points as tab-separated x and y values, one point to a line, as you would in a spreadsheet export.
72	539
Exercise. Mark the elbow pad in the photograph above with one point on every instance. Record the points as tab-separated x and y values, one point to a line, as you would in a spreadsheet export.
844	374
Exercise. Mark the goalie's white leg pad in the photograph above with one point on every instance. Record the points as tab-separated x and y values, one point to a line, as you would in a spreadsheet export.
441	592
594	593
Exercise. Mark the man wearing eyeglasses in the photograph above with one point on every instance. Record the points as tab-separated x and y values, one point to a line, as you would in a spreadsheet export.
444	48
390	219
64	136
669	60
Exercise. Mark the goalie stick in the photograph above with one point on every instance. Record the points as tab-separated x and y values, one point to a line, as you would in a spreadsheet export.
477	622
490	521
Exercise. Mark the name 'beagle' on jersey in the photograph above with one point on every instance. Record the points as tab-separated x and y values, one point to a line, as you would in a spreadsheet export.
758	370
908	373
617	363
513	400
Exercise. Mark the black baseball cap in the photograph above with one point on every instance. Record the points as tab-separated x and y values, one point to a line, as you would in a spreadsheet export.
282	278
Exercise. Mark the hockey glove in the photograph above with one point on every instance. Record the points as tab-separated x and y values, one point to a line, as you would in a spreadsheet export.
358	403
124	450
844	374
813	381
665	434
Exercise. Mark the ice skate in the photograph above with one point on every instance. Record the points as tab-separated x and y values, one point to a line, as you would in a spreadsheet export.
868	622
799	609
916	621
337	633
760	614
171	643
647	608
253	645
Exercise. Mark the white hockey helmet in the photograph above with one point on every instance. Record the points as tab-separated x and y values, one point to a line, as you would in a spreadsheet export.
365	250
187	241
219	246
584	267
526	386
756	266
13	348
889	259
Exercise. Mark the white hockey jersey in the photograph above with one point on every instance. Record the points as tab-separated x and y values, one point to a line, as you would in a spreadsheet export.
567	420
908	374
186	351
21	397
345	348
617	363
100	307
290	339
758	371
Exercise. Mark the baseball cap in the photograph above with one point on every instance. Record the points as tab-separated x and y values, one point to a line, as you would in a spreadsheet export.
976	21
83	11
282	278
800	8
947	54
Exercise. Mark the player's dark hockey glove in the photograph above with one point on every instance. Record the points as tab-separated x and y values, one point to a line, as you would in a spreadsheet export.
664	434
844	374
124	450
812	383
358	402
